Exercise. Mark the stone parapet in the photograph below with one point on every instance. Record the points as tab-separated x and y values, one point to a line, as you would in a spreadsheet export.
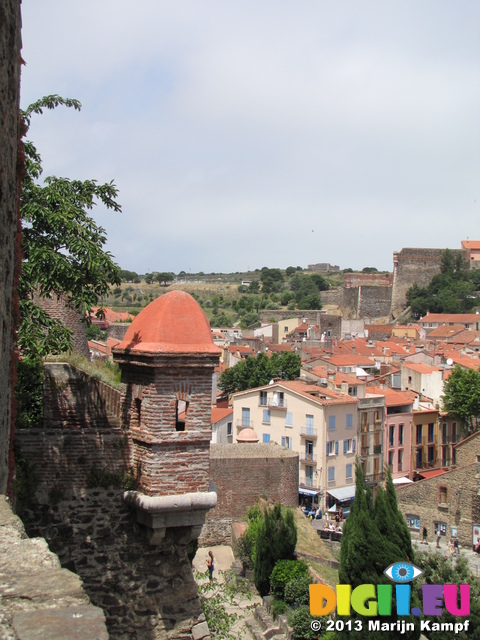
39	599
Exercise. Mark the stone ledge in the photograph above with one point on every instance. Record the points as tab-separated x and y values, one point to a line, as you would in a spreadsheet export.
38	599
185	513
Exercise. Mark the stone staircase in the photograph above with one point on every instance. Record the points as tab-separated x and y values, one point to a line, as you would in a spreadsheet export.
262	626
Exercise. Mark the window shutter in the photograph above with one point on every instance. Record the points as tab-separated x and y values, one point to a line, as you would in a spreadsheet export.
336	447
344	446
283	441
354	442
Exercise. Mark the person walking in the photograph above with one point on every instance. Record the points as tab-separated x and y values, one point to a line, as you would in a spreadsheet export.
455	547
424	535
438	538
210	566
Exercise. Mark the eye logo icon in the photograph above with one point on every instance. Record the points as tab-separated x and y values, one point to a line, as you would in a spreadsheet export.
402	572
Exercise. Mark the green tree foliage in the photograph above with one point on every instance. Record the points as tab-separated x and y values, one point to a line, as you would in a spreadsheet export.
149	278
300	620
439	569
453	290
254	286
307	290
272	280
284	572
276	540
461	397
29	393
164	278
371	541
128	276
258	371
63	247
297	591
289	271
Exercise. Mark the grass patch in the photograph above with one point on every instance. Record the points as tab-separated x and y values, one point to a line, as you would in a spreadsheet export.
106	372
328	574
308	540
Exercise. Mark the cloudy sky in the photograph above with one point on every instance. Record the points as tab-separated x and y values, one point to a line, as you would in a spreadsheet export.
251	133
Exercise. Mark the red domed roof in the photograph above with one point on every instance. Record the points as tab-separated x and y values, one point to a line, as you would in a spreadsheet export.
247	435
173	323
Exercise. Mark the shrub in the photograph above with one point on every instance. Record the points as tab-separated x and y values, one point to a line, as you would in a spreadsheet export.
300	620
284	572
279	607
297	591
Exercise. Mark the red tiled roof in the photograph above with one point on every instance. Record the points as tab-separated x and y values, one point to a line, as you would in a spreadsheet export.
446	331
351	359
394	398
219	413
463	361
471	244
431	473
419	367
450	317
280	348
173	323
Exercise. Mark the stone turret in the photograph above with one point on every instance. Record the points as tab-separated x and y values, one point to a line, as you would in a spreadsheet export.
167	359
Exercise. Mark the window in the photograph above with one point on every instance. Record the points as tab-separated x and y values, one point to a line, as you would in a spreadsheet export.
454	432
263	398
413	522
364	422
352	391
349	420
309	421
309	476
309	449
289	419
285	329
377	417
229	429
391	435
331	474
266	438
331	423
400	434
419	434
431	455
331	448
390	460
400	460
409	379
278	399
266	416
440	526
443	495
430	431
349	445
245	417
419	461
349	471
287	442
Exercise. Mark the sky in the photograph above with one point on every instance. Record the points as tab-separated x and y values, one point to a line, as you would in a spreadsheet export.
249	133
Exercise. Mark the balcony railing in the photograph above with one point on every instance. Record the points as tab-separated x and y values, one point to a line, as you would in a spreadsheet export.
377	448
244	424
308	458
308	432
451	439
272	403
310	483
364	451
374	478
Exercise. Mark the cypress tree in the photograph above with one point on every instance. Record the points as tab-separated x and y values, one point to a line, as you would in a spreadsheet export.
398	531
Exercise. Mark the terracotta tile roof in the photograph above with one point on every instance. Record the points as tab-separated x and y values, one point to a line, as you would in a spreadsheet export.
362	347
101	347
280	348
419	367
471	244
351	359
114	316
394	398
219	413
463	361
320	394
466	337
450	317
431	473
446	331
239	348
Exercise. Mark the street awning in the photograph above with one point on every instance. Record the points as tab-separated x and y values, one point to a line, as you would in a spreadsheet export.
402	481
308	492
342	494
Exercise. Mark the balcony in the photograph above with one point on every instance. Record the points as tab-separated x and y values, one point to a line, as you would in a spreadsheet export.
451	439
377	448
244	424
307	458
374	478
309	483
364	451
308	432
273	403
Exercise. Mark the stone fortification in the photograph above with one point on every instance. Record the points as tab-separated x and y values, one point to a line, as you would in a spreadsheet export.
10	45
57	308
242	472
412	266
367	279
39	599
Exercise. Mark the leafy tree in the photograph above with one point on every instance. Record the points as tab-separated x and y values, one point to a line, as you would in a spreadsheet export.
320	282
254	286
258	371
461	397
276	540
439	569
284	572
128	276
149	278
164	277
367	547
272	280
306	290
369	270
63	247
289	271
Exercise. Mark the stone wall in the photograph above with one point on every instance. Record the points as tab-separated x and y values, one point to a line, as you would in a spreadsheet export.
39	599
10	45
118	330
462	506
57	308
367	280
242	473
414	266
